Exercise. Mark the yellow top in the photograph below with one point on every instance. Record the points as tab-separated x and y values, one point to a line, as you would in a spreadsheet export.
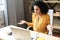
39	23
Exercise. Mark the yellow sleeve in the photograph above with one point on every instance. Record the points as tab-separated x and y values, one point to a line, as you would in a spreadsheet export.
30	24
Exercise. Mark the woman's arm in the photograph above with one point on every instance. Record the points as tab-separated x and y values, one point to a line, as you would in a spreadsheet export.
30	24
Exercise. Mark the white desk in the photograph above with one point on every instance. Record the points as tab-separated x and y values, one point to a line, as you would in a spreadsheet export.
4	34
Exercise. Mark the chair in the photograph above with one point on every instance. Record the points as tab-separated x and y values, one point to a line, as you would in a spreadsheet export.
50	13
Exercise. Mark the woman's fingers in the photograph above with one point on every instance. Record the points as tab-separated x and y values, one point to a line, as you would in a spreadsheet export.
22	22
49	27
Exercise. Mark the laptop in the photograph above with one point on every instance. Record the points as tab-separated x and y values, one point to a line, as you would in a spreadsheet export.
21	34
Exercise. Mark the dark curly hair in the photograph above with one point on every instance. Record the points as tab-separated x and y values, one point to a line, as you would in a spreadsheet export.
43	6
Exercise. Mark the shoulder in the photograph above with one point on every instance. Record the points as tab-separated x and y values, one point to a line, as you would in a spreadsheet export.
47	16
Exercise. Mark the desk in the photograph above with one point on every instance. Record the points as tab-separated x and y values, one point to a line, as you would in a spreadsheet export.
4	34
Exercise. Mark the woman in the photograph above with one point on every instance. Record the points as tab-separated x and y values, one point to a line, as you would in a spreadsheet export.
40	18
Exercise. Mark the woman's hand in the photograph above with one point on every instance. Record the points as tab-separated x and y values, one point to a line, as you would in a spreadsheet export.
22	22
49	27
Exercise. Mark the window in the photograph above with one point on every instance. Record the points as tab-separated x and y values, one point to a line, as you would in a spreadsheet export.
1	2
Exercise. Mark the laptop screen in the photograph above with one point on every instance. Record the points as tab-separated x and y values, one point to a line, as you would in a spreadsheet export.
21	34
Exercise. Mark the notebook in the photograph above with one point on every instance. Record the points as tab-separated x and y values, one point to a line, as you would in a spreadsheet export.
21	34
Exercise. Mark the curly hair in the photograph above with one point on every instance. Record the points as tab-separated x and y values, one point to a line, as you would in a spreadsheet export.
43	6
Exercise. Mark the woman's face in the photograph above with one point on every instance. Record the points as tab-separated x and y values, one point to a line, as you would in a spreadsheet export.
36	9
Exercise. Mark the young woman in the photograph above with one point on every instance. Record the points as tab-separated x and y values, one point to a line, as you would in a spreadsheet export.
40	18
